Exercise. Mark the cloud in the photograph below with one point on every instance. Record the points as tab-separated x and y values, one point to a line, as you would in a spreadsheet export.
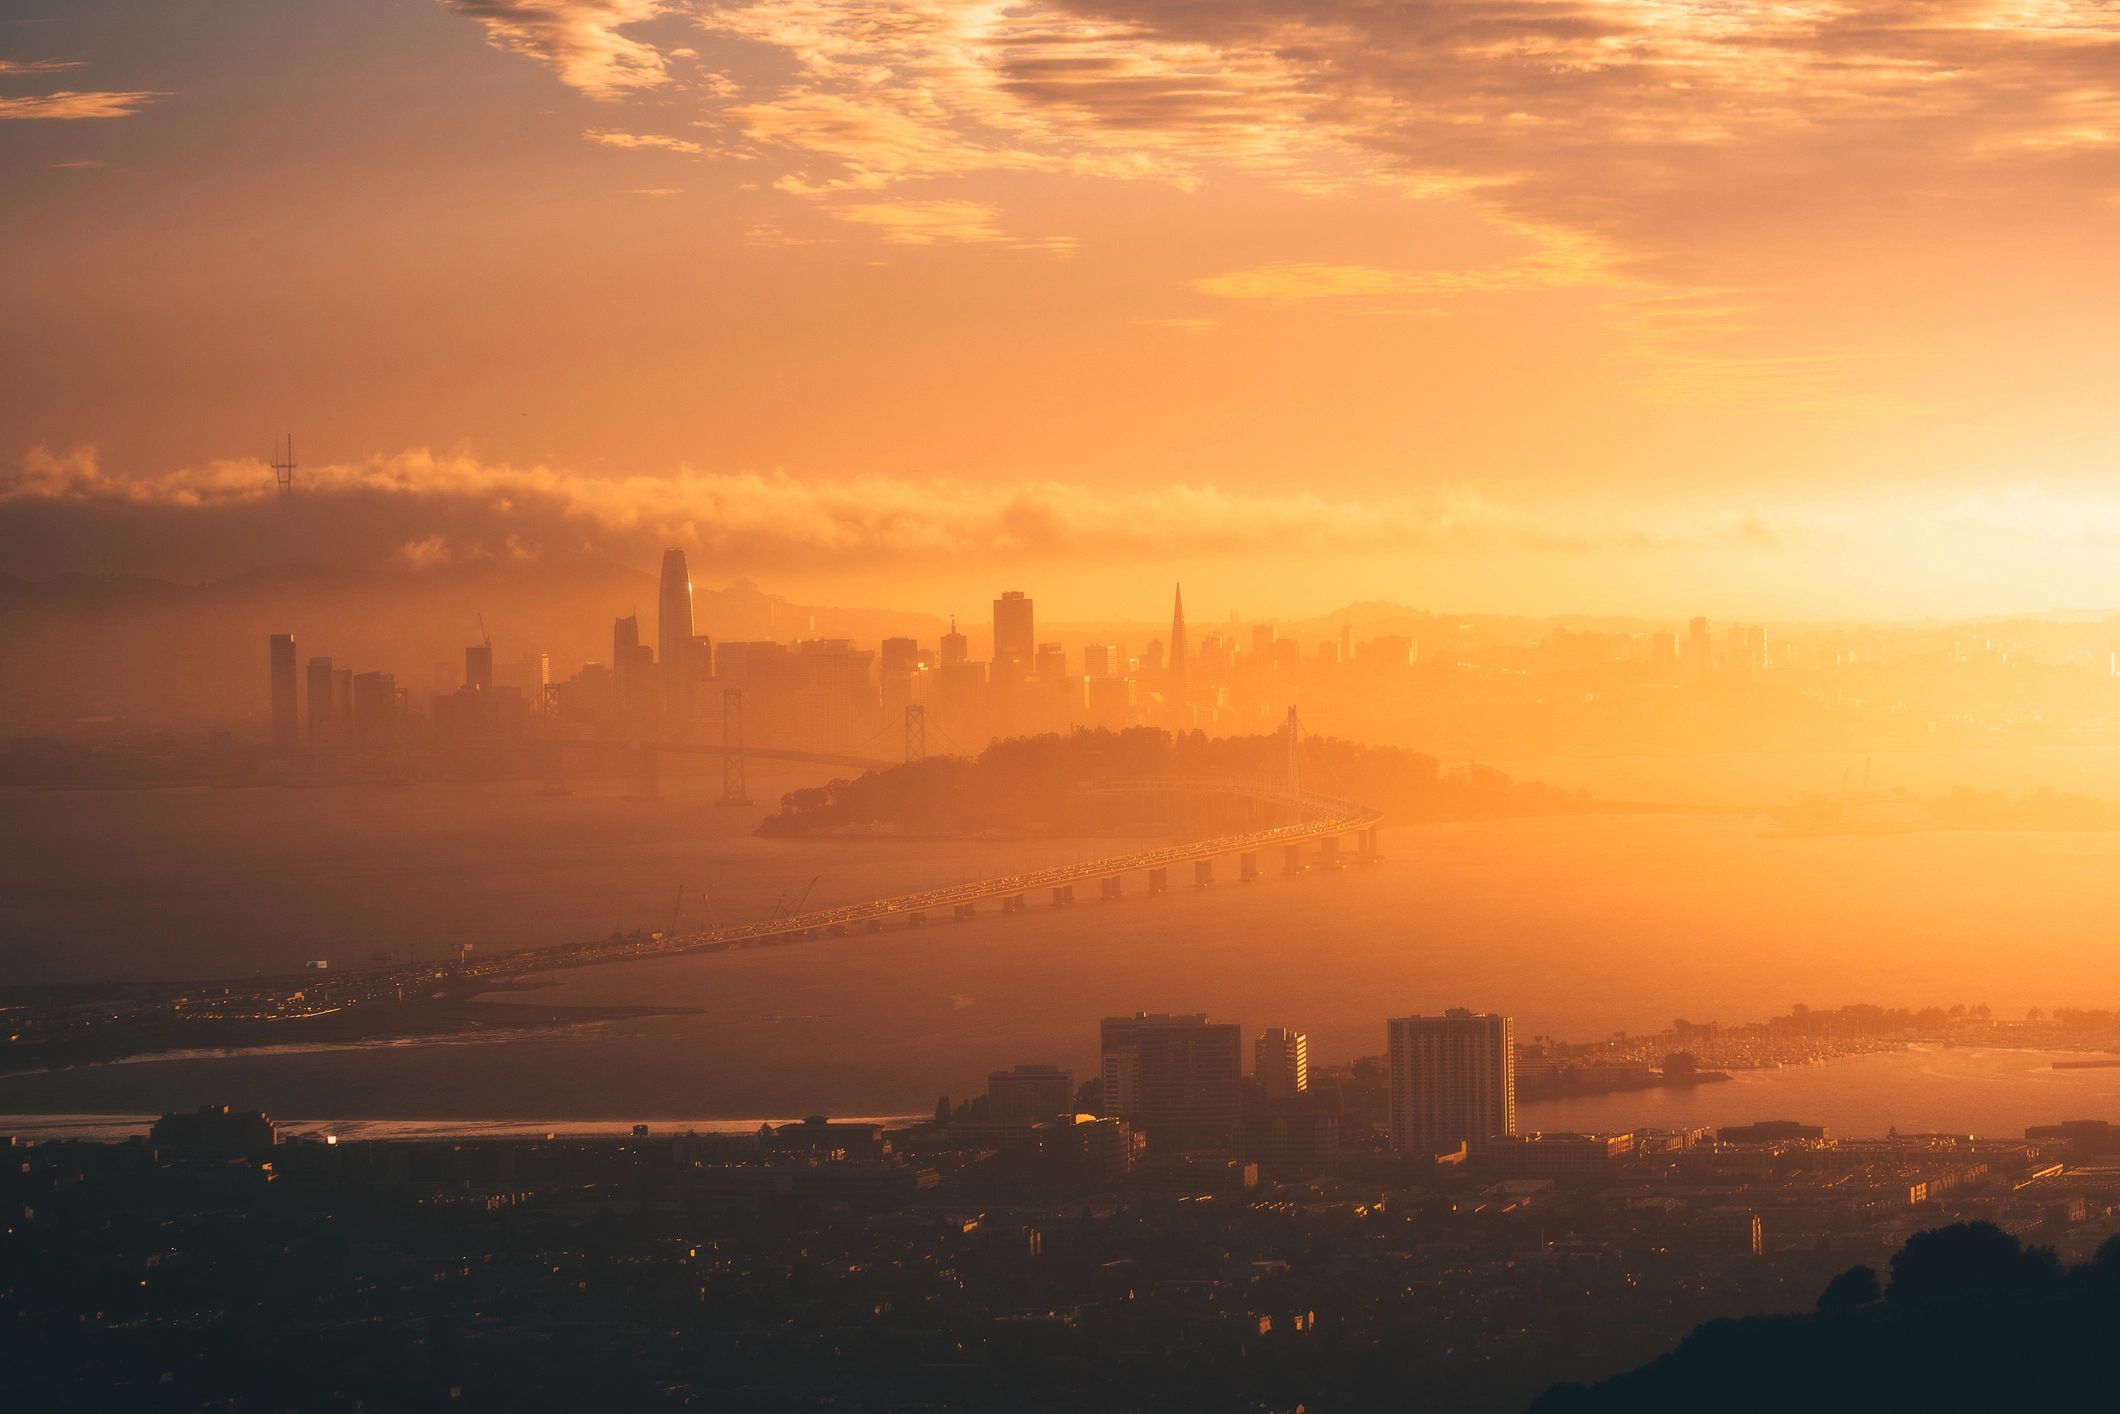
11	67
643	141
67	105
580	40
420	510
1294	282
933	222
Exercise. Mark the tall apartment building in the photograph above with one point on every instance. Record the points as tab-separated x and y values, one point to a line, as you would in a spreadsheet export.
1174	1078
1029	1094
1453	1080
1281	1061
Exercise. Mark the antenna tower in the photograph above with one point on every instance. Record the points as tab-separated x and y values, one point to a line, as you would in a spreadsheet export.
283	466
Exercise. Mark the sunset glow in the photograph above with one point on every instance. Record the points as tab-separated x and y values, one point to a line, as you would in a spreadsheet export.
1526	306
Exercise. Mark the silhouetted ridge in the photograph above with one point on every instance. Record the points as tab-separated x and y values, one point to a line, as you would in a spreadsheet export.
1972	1319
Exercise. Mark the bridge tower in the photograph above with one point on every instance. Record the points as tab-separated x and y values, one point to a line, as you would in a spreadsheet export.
735	789
915	732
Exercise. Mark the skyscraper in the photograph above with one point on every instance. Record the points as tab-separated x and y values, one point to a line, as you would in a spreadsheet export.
1173	1077
1453	1080
899	655
955	648
1178	650
625	637
283	691
322	701
673	633
478	667
1014	641
1281	1061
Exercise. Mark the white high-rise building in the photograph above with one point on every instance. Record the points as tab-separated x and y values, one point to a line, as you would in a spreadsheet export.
1453	1080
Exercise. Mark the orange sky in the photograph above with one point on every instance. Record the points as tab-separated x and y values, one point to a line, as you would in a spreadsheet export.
1801	309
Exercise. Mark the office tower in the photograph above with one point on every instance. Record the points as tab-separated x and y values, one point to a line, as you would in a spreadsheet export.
899	655
955	647
1103	660
375	708
1756	649
1174	1078
1029	1094
1281	1061
342	703
1262	641
1663	652
836	699
1051	663
673	634
1453	1080
531	676
1152	658
320	701
625	637
1700	652
478	667
1014	641
283	692
1177	644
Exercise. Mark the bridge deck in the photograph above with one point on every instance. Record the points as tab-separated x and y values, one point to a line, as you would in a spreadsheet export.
1010	885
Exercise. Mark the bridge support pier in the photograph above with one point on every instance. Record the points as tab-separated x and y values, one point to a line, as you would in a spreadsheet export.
875	925
1203	873
1248	866
1110	887
964	911
915	919
1367	842
1291	859
1158	881
1012	903
1331	845
1064	896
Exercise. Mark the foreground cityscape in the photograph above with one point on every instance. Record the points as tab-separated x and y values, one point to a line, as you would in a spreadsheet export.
1171	1232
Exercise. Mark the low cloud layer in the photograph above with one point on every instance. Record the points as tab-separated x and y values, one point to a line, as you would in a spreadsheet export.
421	511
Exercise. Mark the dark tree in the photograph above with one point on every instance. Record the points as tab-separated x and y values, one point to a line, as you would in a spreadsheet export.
1969	1260
1857	1286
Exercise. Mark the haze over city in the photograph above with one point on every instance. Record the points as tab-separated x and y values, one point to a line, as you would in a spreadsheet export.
1059	705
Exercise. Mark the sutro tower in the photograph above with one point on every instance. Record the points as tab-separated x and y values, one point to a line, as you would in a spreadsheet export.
283	466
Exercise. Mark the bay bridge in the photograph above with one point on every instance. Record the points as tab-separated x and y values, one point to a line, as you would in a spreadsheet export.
1325	823
1294	820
